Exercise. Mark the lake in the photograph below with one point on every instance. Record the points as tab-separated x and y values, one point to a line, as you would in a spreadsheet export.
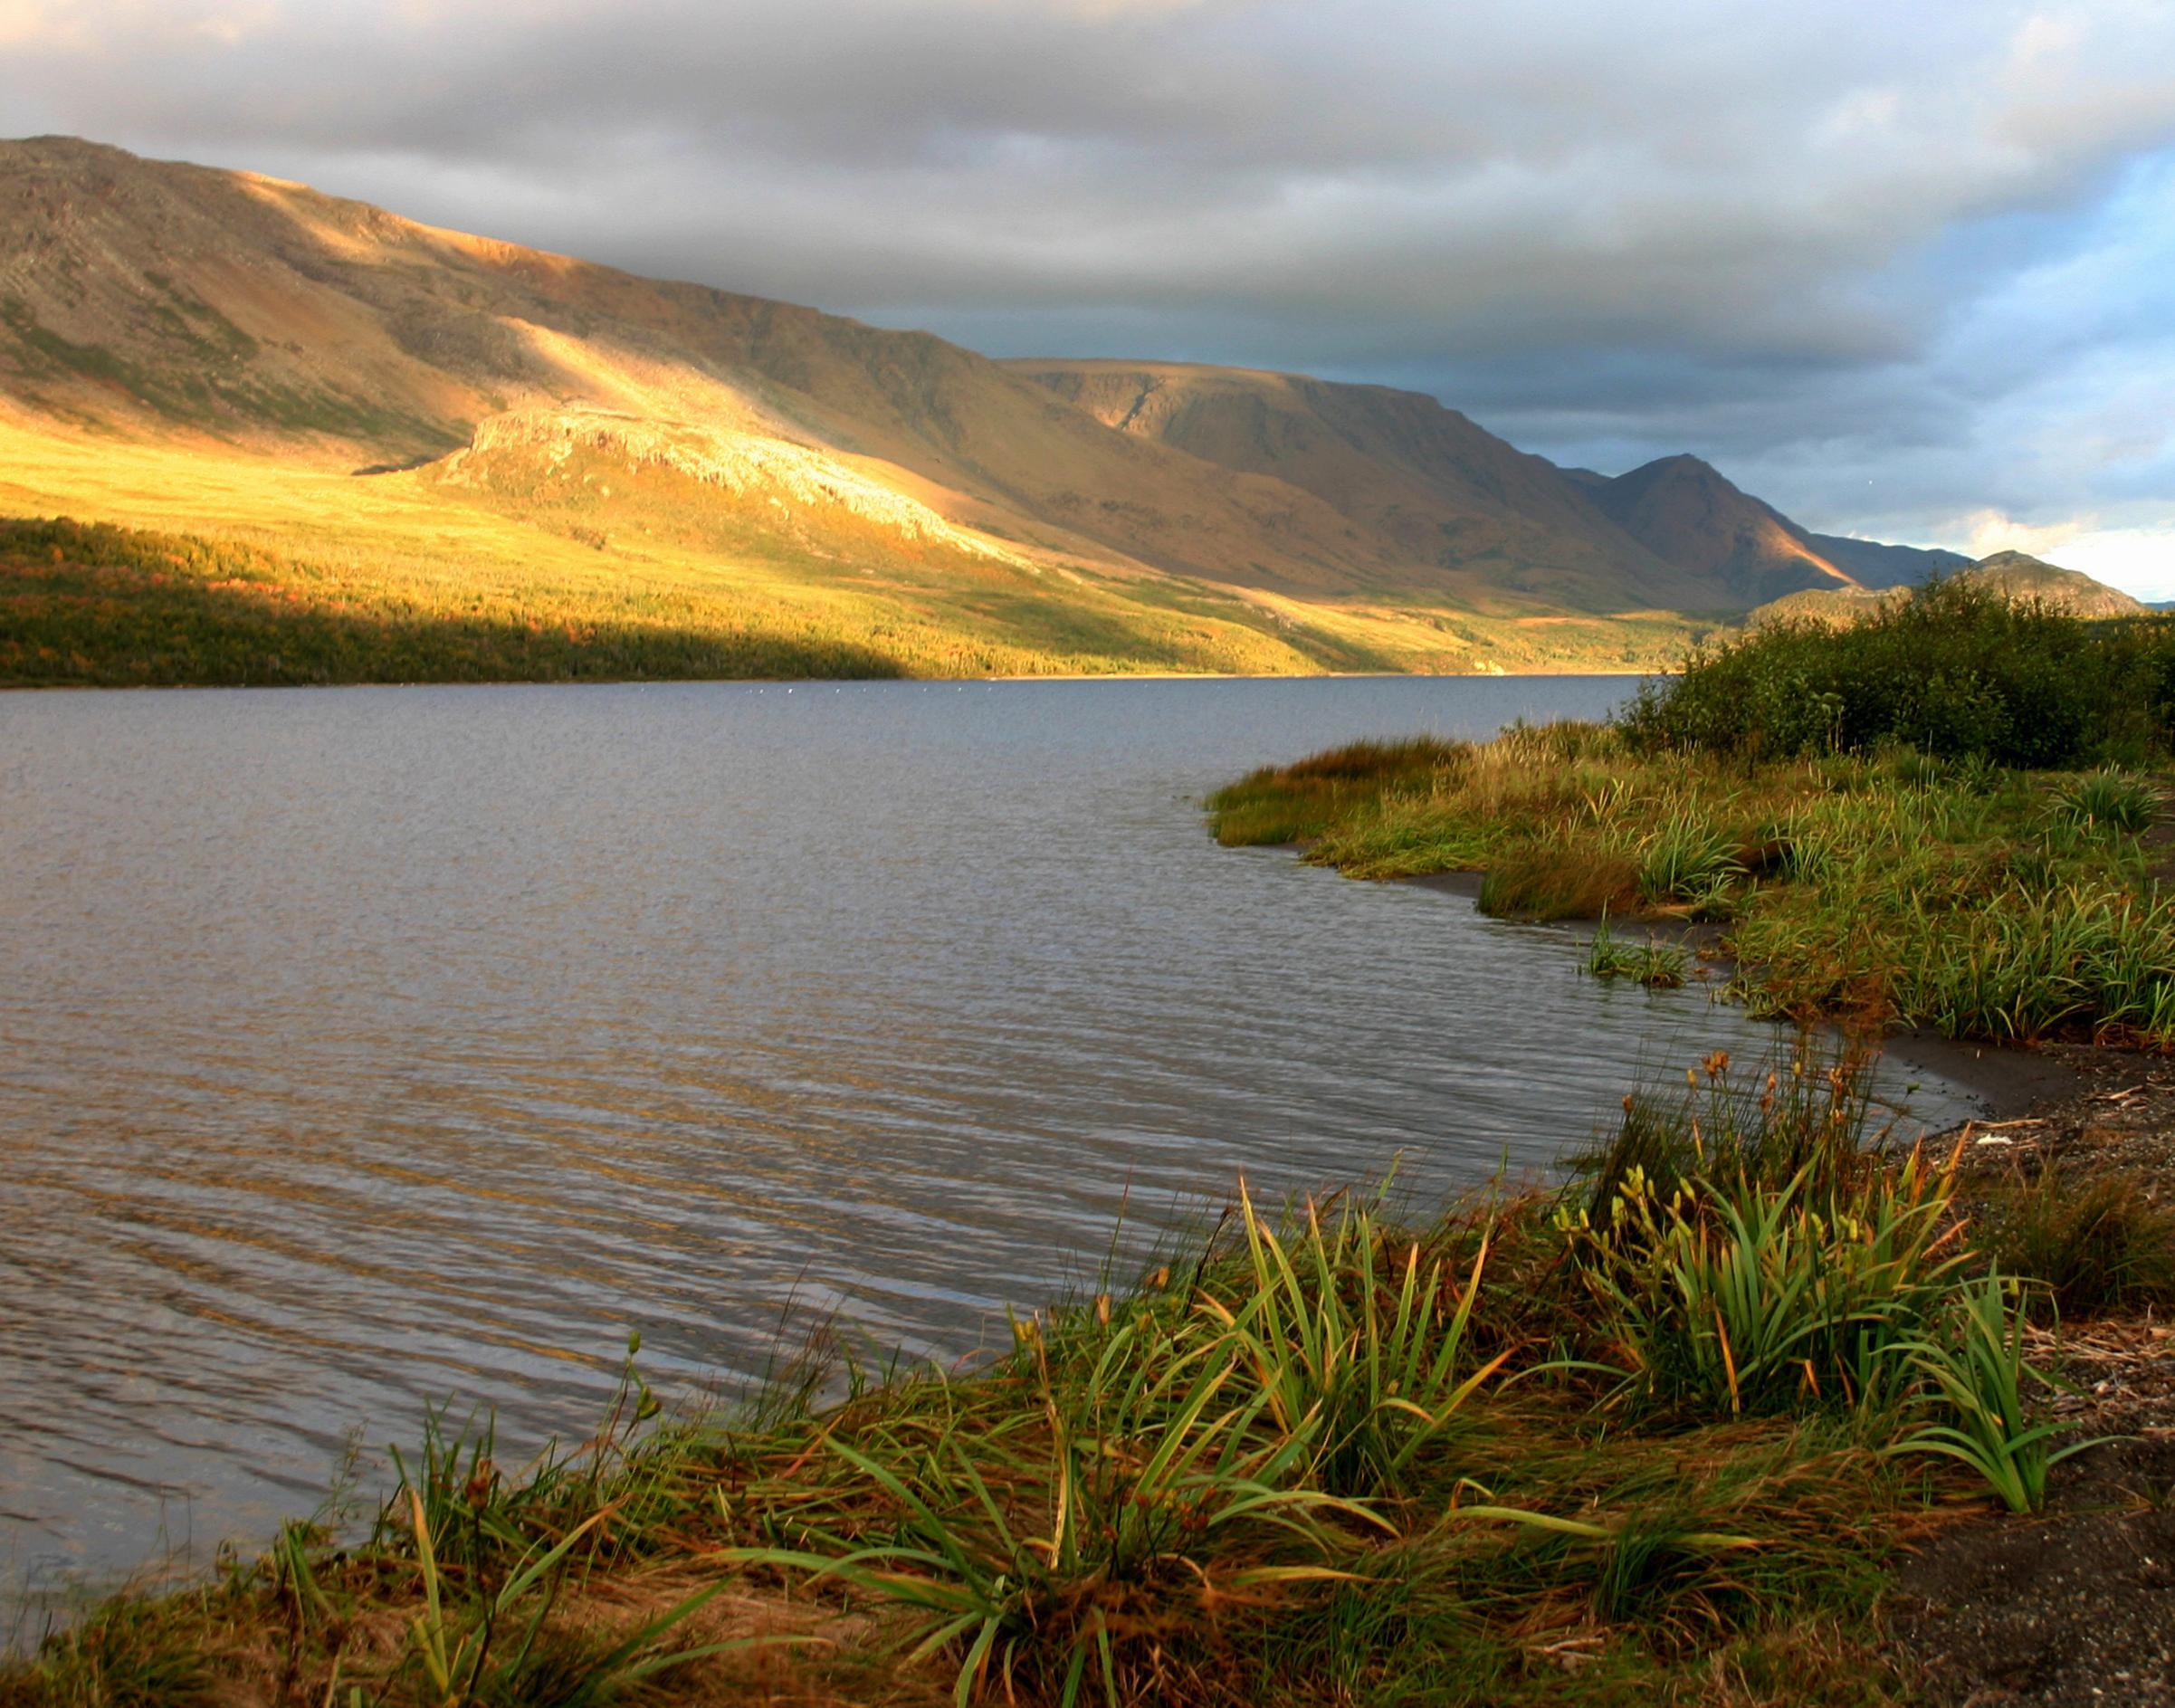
363	1048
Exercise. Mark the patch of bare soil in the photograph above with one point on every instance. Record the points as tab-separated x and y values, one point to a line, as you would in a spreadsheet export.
2075	1605
2072	1606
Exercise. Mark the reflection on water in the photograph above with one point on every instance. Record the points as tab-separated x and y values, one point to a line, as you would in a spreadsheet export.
362	1047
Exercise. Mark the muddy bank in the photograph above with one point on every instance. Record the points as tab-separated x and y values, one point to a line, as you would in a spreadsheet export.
2074	1606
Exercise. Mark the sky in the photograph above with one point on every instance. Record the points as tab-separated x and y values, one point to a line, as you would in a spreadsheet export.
1904	268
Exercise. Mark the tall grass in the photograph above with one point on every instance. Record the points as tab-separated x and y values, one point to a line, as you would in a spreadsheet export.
2092	1242
1892	887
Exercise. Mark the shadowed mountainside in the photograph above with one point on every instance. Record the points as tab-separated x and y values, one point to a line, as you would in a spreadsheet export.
1686	510
1398	466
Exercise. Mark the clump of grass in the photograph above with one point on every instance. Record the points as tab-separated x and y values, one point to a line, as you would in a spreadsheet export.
1652	963
1558	876
1687	858
1808	1115
2089	1242
1732	1296
1292	802
1980	1367
1354	1341
1726	1288
2107	799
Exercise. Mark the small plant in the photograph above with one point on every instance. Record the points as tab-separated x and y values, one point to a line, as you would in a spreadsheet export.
1979	1370
1652	963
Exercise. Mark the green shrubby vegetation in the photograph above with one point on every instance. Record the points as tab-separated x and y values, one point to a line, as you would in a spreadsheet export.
1958	672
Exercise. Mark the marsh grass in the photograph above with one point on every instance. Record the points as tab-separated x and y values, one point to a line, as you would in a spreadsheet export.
1881	889
2093	1242
1657	964
1294	803
1850	803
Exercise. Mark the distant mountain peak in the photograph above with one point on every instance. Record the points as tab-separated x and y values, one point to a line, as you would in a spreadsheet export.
2023	576
2013	559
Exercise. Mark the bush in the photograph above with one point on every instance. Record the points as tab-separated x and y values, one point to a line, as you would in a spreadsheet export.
1959	670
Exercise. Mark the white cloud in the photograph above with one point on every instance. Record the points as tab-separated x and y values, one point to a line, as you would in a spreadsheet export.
1987	531
2138	560
107	29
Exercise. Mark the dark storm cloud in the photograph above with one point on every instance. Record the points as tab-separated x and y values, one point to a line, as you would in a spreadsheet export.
1894	265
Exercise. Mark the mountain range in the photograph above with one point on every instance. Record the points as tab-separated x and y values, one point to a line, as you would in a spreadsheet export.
321	372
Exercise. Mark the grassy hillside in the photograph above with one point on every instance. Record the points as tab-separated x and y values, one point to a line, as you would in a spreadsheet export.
319	576
186	307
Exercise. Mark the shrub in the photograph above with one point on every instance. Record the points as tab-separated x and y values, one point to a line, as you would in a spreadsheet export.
1959	671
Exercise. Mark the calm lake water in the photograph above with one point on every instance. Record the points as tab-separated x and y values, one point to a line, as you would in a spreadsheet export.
363	1048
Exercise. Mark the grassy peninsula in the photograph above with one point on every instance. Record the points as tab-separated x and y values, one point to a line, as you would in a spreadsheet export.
1954	816
1705	1423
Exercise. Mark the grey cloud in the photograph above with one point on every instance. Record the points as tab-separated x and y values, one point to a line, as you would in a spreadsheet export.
1764	234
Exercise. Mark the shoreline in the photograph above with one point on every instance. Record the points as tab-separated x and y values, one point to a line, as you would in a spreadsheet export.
838	682
1965	1589
2011	1080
